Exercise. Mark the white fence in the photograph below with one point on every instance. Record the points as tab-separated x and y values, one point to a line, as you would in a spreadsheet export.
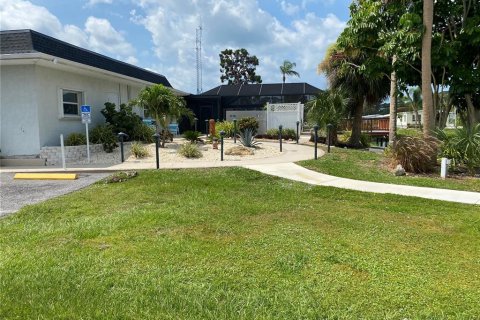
285	114
260	115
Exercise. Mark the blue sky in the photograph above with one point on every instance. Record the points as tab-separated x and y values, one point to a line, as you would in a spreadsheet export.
159	35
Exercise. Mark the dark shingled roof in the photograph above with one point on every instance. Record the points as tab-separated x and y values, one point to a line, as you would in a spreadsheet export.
29	41
271	89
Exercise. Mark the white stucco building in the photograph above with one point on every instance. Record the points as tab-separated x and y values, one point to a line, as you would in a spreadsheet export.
44	81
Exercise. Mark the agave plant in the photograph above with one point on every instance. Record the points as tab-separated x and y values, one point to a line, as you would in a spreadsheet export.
247	138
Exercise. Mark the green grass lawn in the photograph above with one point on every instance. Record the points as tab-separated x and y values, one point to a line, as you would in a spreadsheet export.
370	166
235	244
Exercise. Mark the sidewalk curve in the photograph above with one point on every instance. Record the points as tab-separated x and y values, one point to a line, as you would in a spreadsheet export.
295	172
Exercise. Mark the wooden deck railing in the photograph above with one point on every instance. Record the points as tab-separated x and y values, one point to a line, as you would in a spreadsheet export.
368	125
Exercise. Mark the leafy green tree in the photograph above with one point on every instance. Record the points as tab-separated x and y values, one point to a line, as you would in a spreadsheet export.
287	69
328	107
237	67
164	105
124	120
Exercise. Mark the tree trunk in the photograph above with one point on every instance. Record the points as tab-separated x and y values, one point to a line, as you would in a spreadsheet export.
470	111
392	129
427	104
357	125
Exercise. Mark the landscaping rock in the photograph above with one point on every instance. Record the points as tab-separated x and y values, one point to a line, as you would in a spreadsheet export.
239	151
399	171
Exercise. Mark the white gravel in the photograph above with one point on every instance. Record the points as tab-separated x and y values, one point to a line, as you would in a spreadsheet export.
170	154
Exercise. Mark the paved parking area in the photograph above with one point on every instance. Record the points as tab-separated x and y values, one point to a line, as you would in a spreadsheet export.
14	194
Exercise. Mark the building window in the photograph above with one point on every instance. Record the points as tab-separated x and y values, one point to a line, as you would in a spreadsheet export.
71	102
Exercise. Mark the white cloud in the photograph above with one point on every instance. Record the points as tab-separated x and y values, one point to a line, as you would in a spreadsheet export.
289	8
102	37
98	34
92	3
233	24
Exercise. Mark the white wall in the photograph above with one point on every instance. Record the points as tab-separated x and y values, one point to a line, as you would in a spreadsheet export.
31	104
19	133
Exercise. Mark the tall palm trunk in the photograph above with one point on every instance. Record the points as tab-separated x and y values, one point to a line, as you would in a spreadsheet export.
392	129
357	125
428	117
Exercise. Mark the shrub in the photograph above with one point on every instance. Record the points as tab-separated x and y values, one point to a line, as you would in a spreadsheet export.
139	150
415	154
190	150
247	138
192	136
226	126
104	134
76	139
289	134
365	140
462	146
144	133
272	133
345	136
248	123
124	120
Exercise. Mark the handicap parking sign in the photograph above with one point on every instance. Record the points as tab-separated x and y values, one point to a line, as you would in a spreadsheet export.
85	109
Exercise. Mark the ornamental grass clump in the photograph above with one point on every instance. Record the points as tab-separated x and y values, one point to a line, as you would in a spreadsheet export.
190	150
139	150
415	154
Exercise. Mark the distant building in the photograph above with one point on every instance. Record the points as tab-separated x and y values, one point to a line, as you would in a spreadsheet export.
214	103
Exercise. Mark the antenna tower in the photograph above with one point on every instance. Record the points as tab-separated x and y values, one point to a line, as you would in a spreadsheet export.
198	50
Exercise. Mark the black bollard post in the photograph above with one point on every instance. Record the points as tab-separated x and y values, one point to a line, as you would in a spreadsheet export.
121	136
206	127
298	135
234	130
157	137
315	128
329	136
280	136
222	134
195	120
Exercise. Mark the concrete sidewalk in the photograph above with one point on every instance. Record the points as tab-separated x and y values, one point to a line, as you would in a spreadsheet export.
295	172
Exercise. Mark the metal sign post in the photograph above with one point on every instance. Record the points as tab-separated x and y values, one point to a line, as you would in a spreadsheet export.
86	119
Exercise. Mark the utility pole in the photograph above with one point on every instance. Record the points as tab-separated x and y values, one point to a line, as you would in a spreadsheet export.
198	51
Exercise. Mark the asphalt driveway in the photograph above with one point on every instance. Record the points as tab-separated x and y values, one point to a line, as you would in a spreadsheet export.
14	194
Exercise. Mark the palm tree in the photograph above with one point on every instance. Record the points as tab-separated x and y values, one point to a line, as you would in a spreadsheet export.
163	104
427	104
343	73
287	69
328	107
